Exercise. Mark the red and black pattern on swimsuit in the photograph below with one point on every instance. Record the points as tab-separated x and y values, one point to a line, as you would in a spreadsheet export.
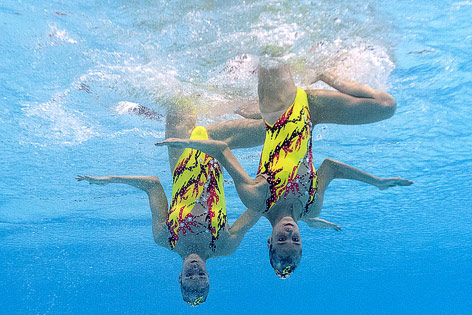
185	225
292	182
213	198
313	180
204	184
286	146
181	167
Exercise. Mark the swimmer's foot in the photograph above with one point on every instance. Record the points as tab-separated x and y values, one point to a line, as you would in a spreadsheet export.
388	182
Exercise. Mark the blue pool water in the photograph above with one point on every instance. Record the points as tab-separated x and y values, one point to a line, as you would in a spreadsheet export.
67	67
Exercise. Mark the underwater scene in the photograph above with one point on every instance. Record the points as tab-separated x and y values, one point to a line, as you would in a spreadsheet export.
87	88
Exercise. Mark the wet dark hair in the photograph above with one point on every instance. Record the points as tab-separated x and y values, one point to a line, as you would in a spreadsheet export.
193	295
284	266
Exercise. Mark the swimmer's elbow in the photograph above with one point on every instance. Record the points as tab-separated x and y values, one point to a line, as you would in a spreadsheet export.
388	106
151	182
158	232
154	180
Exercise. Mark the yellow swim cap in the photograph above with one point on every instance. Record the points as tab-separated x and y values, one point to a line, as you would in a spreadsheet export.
284	274
196	302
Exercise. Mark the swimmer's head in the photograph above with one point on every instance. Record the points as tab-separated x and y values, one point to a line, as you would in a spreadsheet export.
194	280
285	247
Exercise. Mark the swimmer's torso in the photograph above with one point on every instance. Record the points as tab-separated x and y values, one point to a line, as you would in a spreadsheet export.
197	213
287	160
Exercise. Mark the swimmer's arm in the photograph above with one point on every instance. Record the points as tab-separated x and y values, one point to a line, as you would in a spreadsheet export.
141	182
238	133
160	233
239	228
249	110
331	169
150	184
251	192
353	103
318	223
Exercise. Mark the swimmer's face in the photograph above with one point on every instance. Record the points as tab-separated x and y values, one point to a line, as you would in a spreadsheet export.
285	239
194	271
194	280
285	247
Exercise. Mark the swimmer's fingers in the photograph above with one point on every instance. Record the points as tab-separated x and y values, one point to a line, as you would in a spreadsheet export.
82	177
318	223
311	76
394	181
249	110
173	143
404	182
211	147
92	180
336	227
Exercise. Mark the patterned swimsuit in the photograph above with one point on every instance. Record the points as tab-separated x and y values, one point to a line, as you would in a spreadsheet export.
287	160
198	202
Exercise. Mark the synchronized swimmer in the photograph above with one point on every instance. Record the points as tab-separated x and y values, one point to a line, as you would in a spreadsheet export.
287	188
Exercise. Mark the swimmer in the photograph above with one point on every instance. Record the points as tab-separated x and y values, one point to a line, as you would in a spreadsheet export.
287	188
195	224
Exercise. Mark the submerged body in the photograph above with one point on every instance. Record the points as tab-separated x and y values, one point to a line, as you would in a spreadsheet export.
287	188
198	202
194	225
287	161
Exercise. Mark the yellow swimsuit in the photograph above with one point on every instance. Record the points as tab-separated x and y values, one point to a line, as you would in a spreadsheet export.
198	202
287	159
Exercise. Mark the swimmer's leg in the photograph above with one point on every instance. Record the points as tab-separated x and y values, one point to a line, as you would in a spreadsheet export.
331	169
153	188
238	133
179	124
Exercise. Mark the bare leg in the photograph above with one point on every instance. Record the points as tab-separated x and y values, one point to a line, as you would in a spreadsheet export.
352	103
179	124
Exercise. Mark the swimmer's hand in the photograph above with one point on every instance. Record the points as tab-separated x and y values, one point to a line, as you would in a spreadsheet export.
210	147
384	183
174	143
102	181
311	76
249	110
318	223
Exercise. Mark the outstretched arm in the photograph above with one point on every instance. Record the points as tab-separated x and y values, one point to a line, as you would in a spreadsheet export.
353	103
238	133
153	188
144	183
239	228
331	169
318	223
251	192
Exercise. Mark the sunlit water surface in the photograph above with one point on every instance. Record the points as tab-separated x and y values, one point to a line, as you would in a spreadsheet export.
68	71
